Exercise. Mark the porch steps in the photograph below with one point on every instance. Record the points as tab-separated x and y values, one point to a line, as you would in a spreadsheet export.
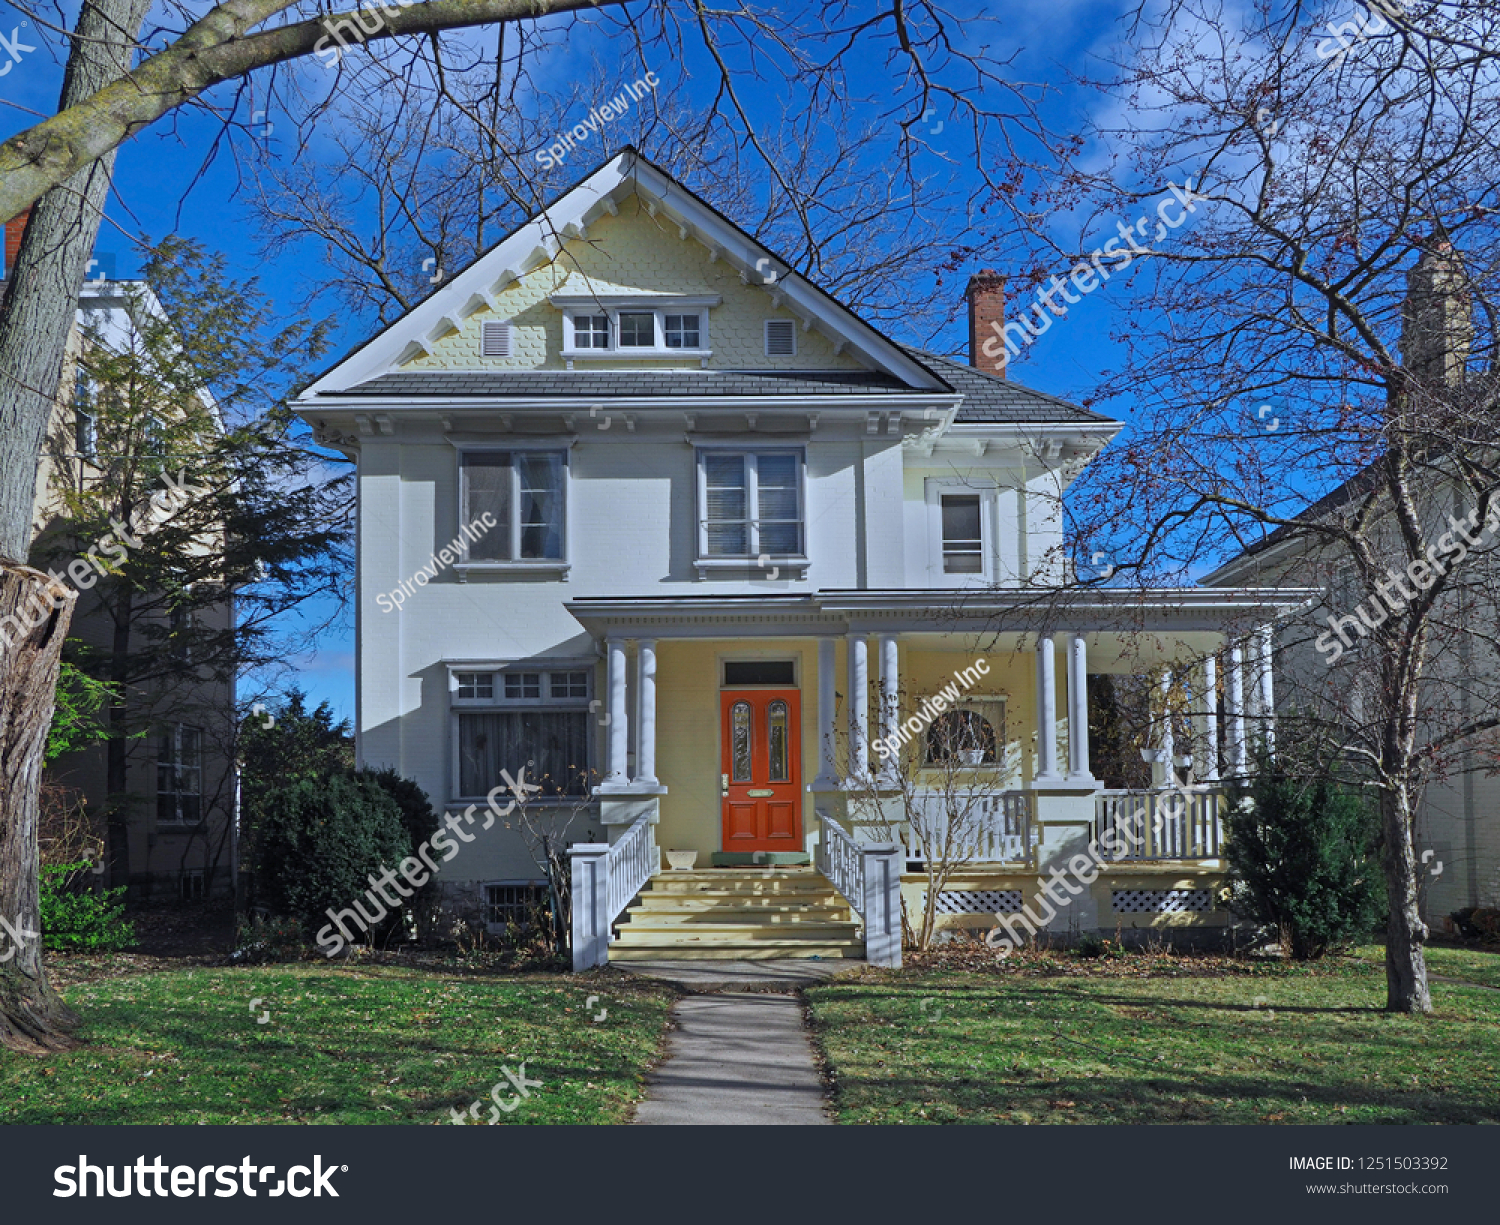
737	914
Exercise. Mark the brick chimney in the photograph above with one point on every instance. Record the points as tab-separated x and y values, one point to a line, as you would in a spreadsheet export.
14	228
1437	324
986	294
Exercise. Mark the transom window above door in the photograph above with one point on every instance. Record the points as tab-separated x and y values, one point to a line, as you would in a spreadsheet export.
750	504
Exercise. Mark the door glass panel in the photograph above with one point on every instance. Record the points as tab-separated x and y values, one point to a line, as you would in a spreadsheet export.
776	735
739	720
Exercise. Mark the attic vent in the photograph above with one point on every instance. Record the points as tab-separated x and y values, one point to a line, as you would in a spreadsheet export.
781	338
495	341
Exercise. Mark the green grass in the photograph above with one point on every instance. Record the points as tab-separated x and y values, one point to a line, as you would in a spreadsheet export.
1473	964
341	1045
1154	1040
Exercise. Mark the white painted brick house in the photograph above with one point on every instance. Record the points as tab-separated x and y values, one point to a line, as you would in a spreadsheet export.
722	503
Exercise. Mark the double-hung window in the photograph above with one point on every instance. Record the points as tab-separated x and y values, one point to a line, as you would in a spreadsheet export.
532	718
963	535
516	503
751	503
179	775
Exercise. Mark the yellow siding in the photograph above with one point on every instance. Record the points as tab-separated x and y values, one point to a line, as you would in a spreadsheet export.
639	252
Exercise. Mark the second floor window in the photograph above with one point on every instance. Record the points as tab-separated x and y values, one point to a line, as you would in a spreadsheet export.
179	776
963	538
591	331
524	494
751	503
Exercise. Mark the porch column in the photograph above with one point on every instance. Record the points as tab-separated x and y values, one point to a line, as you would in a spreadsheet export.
890	702
619	722
1265	683
1078	712
1208	696
1235	704
1167	737
828	777
859	706
645	712
1046	711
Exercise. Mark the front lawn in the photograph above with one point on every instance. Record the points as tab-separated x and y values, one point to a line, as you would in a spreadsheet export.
1153	1040
346	1044
1471	964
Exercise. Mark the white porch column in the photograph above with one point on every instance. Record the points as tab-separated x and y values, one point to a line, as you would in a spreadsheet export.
1167	737
890	701
645	712
859	706
1046	711
1208	701
828	776
1239	757
1078	712
1265	683
619	721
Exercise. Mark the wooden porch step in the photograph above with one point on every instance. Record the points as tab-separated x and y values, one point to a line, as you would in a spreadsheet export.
759	950
732	914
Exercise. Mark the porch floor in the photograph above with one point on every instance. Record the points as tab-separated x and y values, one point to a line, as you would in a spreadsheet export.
737	914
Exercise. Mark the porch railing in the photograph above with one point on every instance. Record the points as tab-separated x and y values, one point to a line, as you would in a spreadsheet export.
605	881
995	828
868	875
1163	823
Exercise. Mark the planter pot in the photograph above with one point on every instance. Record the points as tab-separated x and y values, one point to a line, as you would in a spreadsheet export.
682	861
971	757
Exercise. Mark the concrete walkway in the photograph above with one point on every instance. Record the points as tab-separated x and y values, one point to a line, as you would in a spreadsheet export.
709	976
736	1059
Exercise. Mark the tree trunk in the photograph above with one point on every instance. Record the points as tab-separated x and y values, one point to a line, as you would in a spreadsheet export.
1405	966
33	1017
36	318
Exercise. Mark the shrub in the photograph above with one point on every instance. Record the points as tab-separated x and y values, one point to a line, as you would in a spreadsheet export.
320	841
1478	923
1301	858
420	821
78	919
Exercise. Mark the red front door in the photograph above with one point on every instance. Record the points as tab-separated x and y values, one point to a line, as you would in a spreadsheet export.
762	783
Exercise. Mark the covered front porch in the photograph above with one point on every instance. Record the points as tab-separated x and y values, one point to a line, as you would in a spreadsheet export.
788	729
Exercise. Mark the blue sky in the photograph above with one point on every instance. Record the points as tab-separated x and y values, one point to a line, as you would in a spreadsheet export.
163	186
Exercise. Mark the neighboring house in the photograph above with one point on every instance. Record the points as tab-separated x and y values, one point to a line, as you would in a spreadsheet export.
636	499
173	825
1328	670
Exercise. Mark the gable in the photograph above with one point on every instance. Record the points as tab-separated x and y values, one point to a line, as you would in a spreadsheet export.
632	257
627	229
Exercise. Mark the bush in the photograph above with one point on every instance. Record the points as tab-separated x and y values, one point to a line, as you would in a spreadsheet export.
1301	858
319	843
420	821
1478	923
81	920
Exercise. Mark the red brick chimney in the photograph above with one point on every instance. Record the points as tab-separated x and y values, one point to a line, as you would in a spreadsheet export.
986	294
14	228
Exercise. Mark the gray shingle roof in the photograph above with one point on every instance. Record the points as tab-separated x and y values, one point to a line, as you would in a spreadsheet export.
990	398
574	383
987	397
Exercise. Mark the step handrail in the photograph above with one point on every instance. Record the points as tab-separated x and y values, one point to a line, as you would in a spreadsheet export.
868	876
606	878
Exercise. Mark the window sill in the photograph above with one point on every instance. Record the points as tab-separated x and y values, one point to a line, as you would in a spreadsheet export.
615	355
754	567
465	568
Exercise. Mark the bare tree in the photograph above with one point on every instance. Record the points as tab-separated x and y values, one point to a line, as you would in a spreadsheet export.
1324	326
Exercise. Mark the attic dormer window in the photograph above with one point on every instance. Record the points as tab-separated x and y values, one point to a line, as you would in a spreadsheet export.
591	331
672	325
